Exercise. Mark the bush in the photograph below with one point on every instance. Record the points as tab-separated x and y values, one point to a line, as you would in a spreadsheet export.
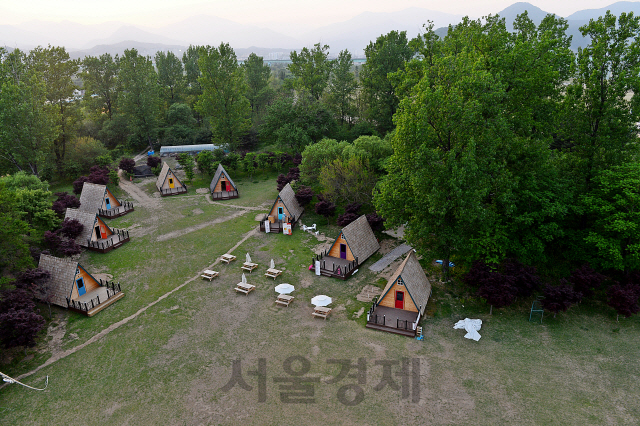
104	160
153	161
65	201
156	170
127	164
304	195
560	298
71	228
325	208
84	152
114	178
347	218
624	299
375	221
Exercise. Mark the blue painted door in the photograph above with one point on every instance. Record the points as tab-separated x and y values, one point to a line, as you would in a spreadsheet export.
280	213
81	288
108	202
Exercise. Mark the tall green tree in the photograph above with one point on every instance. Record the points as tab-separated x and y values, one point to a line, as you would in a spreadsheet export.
100	81
27	123
311	69
342	88
258	73
139	99
387	54
170	76
223	99
192	73
57	69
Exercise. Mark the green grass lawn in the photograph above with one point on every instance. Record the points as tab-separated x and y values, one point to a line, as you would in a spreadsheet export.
168	365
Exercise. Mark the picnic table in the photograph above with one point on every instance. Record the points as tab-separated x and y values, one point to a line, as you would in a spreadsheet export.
249	266
321	312
209	274
284	299
245	288
273	273
226	258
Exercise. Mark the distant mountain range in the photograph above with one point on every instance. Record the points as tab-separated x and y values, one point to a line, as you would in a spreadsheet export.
354	34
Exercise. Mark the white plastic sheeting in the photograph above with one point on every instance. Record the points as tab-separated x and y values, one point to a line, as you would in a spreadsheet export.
472	326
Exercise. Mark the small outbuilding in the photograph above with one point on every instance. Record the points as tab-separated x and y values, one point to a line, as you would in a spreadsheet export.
355	244
222	186
98	199
284	213
73	287
97	235
403	301
168	183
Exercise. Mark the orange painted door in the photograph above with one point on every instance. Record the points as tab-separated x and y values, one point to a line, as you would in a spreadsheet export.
399	299
103	232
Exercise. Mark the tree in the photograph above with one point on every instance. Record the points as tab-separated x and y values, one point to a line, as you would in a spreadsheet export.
206	163
139	99
559	298
258	91
342	88
170	76
223	98
27	124
84	152
100	82
387	54
71	228
187	163
180	122
127	164
348	181
65	201
614	205
586	281
624	299
57	69
311	69
325	208
19	322
304	195
315	156
295	125
192	74
39	280
375	221
153	161
498	290
14	247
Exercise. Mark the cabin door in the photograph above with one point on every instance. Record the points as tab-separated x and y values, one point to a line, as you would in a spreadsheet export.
103	232
399	299
81	288
280	213
97	232
107	202
343	251
171	184
223	186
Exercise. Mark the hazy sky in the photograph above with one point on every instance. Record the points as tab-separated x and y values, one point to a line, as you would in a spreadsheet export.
307	12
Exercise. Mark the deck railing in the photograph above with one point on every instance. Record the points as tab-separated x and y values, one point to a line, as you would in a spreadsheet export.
173	191
224	195
277	225
94	302
125	207
109	243
342	272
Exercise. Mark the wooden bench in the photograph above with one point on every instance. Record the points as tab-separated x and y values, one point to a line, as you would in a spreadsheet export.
273	273
248	266
226	258
321	312
209	275
284	300
245	288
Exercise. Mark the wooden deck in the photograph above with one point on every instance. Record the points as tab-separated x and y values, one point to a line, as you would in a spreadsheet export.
125	208
335	267
393	320
112	242
96	300
224	195
173	191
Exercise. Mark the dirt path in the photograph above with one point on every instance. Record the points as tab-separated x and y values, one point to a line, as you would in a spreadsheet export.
235	206
184	231
124	321
136	193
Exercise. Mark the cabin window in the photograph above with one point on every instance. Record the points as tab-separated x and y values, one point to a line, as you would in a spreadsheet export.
399	281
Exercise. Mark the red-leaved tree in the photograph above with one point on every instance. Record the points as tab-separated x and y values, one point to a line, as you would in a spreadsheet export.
586	280
559	298
127	164
19	321
624	299
63	202
304	195
325	208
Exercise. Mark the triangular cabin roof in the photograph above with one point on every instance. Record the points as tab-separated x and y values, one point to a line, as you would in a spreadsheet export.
63	274
288	198
92	197
88	220
414	279
162	177
360	238
216	177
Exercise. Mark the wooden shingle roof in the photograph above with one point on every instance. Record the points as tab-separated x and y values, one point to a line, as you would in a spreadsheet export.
414	280
216	177
92	197
163	175
85	218
360	238
63	273
288	197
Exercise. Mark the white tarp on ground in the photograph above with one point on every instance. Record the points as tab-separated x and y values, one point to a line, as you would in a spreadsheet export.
472	326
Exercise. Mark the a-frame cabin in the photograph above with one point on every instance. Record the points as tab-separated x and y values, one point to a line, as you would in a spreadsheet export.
98	199
71	286
222	186
97	235
168	183
285	210
403	301
355	244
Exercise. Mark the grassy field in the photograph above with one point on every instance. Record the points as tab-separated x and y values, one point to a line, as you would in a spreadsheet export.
168	364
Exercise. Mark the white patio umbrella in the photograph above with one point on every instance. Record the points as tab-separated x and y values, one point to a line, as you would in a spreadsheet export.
244	279
249	258
284	288
272	265
321	300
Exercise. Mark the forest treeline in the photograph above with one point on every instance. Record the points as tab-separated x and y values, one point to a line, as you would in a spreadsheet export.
492	147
